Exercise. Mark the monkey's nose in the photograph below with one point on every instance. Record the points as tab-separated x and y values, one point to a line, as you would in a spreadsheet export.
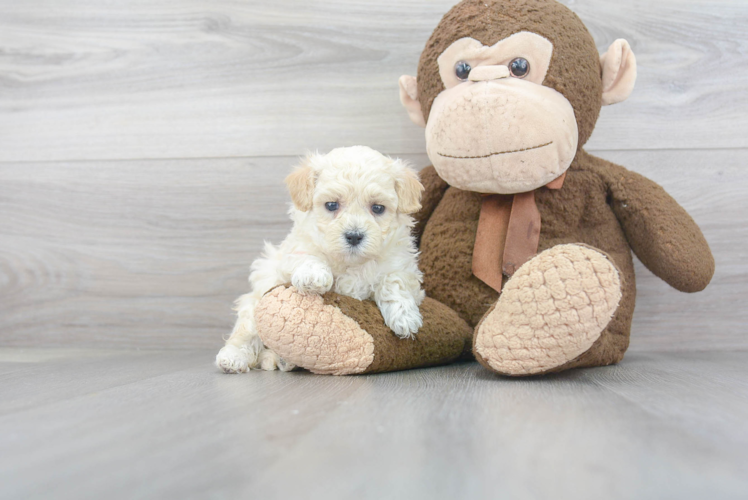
488	73
354	238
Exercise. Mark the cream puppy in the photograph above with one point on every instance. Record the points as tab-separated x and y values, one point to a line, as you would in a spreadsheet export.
351	234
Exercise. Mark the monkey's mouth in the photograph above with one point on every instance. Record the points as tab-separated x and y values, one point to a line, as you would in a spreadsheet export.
495	154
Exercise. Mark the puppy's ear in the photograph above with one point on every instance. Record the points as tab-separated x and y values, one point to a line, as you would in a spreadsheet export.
300	184
408	188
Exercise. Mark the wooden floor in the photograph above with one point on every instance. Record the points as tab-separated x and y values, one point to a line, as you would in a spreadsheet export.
143	144
78	424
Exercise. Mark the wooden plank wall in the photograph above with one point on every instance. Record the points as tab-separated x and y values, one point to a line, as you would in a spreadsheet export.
143	144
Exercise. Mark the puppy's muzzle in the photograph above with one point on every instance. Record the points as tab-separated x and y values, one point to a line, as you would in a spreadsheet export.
354	238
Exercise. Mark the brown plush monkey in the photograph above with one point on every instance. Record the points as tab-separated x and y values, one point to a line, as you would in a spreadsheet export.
525	238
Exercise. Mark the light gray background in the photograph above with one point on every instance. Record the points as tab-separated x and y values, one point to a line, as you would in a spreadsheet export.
143	145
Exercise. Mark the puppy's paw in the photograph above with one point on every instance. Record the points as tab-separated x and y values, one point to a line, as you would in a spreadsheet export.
312	279
270	361
403	318
232	359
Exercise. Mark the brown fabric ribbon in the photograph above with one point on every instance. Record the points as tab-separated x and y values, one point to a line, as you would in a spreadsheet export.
508	234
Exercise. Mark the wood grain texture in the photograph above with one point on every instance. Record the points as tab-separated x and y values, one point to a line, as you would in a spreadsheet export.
86	79
152	253
168	425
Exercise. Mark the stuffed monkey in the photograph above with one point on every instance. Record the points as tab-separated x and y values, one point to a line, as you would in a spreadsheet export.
525	238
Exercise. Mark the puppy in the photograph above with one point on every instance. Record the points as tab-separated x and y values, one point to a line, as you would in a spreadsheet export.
351	234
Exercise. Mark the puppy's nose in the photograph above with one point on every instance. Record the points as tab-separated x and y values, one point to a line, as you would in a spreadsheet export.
354	238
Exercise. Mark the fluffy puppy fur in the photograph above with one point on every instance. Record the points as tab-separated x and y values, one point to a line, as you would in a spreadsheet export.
351	234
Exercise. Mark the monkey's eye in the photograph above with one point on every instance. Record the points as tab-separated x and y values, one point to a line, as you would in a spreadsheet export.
332	206
519	67
462	70
377	209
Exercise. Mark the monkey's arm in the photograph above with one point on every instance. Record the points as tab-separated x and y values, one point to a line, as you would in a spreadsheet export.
662	234
435	188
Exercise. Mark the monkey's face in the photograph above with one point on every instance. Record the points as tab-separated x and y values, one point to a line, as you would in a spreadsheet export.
509	91
495	128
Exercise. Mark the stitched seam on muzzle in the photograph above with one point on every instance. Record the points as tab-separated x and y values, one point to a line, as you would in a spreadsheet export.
495	154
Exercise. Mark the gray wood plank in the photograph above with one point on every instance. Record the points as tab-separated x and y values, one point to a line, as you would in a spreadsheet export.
156	79
675	393
49	379
152	253
659	425
562	437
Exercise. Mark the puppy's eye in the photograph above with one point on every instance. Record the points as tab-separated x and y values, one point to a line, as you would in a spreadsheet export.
519	67
462	70
377	209
332	206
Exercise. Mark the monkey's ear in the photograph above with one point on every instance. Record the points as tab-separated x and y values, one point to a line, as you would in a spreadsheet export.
619	72
408	188
409	99
300	184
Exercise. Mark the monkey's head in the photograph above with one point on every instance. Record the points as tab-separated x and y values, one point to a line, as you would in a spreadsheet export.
510	90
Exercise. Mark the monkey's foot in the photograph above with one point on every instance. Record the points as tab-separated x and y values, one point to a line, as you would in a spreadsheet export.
550	312
337	335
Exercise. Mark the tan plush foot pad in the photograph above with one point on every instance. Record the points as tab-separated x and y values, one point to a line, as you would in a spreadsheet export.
551	311
305	331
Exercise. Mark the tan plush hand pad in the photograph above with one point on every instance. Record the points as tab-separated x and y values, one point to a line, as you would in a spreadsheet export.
551	311
303	330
